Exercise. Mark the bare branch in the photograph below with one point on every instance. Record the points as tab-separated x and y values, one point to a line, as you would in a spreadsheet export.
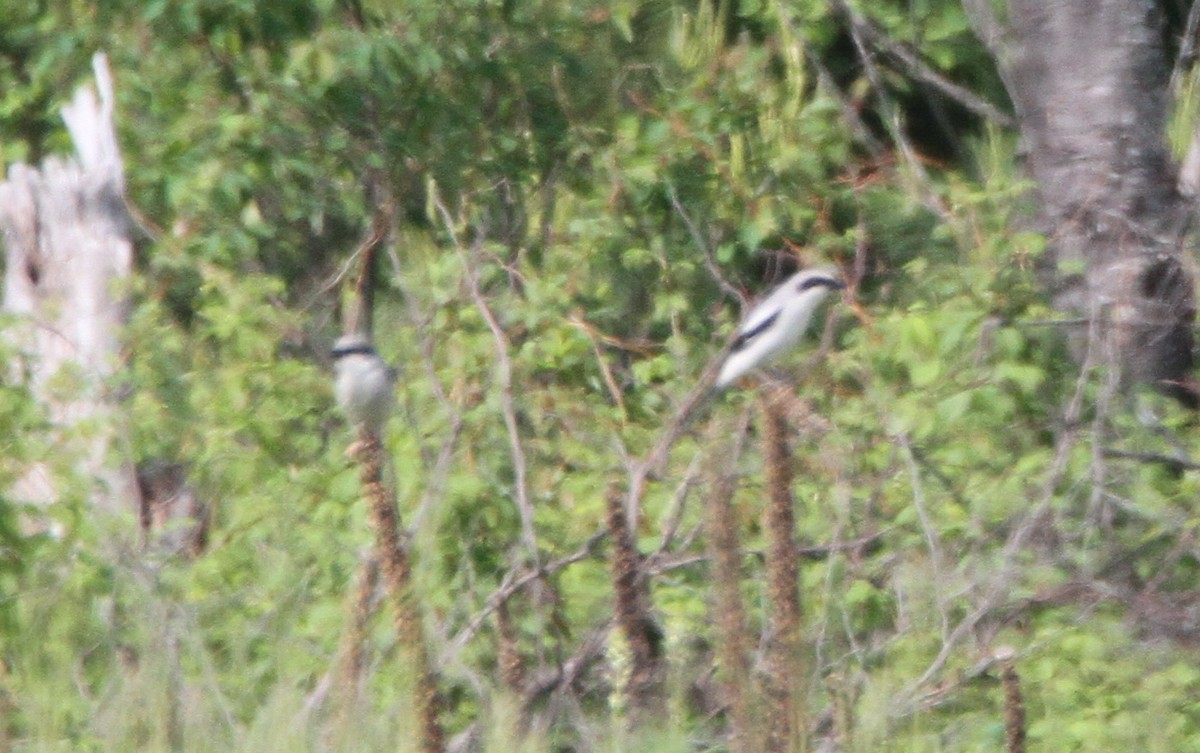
1104	397
924	73
674	516
1187	47
710	261
436	482
1174	464
849	112
508	401
988	28
1034	519
891	112
930	532
609	380
641	471
560	680
512	584
90	123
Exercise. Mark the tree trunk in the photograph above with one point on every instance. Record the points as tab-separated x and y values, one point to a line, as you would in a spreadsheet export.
68	256
1089	80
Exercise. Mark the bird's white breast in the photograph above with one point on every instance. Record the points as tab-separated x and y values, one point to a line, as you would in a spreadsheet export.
364	390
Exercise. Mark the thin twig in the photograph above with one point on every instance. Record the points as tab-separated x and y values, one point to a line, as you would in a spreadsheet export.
674	515
890	112
512	584
932	469
440	474
826	82
929	531
996	591
442	462
657	564
567	674
508	402
1076	322
1175	464
640	471
610	380
1187	47
710	261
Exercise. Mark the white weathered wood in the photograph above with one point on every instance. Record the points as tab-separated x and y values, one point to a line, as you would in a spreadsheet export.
68	261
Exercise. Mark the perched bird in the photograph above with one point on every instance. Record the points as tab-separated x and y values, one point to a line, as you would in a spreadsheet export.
776	324
365	385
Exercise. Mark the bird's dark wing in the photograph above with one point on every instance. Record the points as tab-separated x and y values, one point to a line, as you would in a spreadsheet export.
759	327
358	349
820	281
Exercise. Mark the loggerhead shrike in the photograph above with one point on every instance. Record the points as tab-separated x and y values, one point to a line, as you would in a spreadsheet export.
365	385
776	324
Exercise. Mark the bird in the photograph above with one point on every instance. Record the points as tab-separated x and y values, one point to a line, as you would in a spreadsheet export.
364	384
777	323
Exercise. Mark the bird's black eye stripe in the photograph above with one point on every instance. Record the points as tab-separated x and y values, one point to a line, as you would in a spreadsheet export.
813	282
352	350
745	337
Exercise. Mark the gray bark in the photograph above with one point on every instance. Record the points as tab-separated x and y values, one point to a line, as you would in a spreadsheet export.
1089	80
68	259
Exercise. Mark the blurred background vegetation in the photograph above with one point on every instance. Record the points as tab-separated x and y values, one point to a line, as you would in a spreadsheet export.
607	183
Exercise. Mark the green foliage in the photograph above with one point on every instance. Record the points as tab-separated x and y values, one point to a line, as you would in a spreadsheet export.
580	192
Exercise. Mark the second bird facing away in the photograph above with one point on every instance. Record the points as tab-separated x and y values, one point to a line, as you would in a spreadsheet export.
365	386
777	323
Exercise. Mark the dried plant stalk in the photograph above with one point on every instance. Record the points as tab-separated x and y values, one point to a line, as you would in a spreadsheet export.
397	577
645	686
785	670
1014	707
512	666
733	650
